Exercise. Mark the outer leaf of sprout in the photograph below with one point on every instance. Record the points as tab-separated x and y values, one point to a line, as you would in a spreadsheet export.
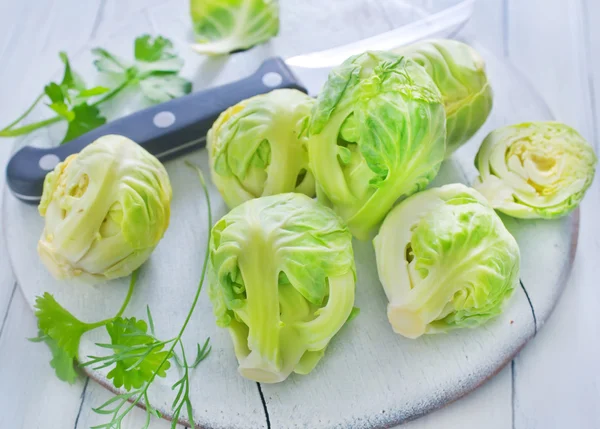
223	26
535	169
294	258
387	114
446	261
459	73
256	148
105	209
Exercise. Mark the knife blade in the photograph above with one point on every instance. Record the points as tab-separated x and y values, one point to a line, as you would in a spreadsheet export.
179	126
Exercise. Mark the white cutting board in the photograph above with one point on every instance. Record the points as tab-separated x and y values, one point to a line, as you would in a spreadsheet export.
370	377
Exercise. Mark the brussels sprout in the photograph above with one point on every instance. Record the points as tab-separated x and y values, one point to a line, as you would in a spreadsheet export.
459	73
224	26
535	169
256	148
445	260
105	210
377	133
282	281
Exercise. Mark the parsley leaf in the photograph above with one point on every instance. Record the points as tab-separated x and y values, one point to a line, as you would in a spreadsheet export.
85	118
62	332
159	88
62	362
70	79
151	49
59	324
138	355
155	68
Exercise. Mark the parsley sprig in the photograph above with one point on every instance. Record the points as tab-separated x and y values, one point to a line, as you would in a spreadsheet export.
62	331
155	70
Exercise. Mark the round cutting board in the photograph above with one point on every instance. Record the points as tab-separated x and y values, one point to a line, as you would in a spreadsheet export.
369	377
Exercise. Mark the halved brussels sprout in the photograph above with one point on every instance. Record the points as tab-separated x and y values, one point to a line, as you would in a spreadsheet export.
224	26
535	169
377	133
445	260
105	209
256	148
459	73
282	281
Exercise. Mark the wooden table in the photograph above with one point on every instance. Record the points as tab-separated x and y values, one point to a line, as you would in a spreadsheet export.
553	383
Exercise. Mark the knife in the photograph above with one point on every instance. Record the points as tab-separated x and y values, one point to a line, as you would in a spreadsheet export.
179	126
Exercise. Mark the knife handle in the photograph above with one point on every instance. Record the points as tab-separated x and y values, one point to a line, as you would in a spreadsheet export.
166	130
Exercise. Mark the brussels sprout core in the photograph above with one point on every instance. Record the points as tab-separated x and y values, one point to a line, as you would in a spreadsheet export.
535	169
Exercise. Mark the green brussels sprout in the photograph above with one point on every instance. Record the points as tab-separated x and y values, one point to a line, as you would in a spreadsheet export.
282	280
105	210
377	133
224	26
535	169
459	73
445	260
256	148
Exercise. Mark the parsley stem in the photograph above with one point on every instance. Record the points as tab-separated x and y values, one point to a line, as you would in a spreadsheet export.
9	131
132	282
114	92
104	322
14	132
27	112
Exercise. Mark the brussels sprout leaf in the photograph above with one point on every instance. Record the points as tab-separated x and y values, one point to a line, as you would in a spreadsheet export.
225	26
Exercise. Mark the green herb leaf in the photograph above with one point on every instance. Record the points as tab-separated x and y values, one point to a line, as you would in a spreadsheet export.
159	88
59	324
106	62
203	352
85	118
152	49
155	68
70	80
138	355
62	362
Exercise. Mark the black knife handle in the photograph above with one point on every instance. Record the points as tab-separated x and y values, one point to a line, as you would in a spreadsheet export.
166	130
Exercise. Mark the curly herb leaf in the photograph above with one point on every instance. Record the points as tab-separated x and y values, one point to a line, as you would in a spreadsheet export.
140	354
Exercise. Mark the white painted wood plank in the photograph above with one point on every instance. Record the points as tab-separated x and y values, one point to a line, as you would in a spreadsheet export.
7	279
546	43
591	42
558	370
